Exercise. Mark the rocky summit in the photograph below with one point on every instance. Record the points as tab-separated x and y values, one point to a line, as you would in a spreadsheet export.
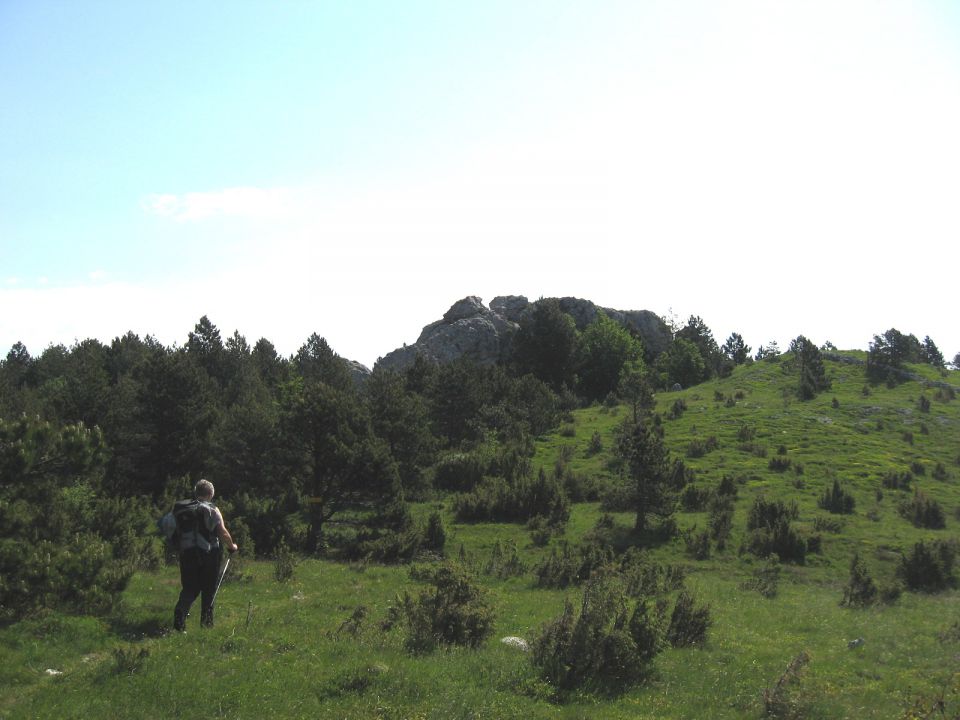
484	334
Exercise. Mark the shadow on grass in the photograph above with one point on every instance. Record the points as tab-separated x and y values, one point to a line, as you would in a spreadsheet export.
139	628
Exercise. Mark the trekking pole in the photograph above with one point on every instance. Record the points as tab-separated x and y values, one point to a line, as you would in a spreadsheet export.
226	564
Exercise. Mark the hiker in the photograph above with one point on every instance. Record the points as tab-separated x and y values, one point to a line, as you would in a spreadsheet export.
198	533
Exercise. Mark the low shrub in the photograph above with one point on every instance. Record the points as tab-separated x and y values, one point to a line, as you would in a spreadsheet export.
461	472
746	433
504	561
595	445
698	448
695	498
677	409
923	511
284	563
928	567
571	565
837	500
779	463
496	499
606	647
828	524
578	486
720	520
689	622
540	531
764	513
769	531
860	590
753	448
388	536
645	577
453	611
435	534
727	487
697	544
897	481
765	579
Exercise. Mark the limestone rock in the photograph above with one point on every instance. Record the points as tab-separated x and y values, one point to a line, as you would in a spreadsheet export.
358	372
470	329
649	326
467	329
509	307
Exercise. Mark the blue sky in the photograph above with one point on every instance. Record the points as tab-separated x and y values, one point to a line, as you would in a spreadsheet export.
352	169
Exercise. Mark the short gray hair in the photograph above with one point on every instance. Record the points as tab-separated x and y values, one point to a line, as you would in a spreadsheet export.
203	489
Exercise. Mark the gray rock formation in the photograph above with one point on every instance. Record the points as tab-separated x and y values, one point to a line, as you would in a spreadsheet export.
471	329
648	325
468	329
510	307
358	371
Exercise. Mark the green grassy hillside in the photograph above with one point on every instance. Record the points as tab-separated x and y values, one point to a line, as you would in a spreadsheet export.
285	649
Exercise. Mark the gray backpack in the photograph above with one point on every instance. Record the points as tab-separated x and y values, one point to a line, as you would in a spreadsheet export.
190	524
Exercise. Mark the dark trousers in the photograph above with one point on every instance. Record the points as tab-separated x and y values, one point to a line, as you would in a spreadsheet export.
199	572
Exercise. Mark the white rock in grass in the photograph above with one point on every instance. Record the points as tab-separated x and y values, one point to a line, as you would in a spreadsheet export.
517	642
51	671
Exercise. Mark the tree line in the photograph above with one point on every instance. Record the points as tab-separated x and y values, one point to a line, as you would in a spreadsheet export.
97	438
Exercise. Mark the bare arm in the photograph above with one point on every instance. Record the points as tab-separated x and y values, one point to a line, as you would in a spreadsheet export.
225	537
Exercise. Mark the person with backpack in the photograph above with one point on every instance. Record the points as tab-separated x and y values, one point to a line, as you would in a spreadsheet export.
196	528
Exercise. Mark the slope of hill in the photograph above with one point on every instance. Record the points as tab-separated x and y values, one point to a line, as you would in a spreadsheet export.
290	649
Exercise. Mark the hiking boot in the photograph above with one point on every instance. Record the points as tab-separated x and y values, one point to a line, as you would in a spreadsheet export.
206	618
179	621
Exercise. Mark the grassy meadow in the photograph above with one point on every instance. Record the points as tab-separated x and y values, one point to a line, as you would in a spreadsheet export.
301	649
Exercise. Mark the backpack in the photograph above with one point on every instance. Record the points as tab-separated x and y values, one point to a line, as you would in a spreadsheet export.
190	524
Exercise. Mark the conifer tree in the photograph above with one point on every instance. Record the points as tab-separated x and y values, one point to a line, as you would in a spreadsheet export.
647	461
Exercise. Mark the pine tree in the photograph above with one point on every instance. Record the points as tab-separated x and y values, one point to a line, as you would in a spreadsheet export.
640	445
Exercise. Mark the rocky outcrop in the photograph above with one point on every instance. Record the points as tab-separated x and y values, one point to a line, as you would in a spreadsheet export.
358	371
470	329
467	329
648	325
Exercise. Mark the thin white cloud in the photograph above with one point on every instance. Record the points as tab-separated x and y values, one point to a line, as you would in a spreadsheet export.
242	202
